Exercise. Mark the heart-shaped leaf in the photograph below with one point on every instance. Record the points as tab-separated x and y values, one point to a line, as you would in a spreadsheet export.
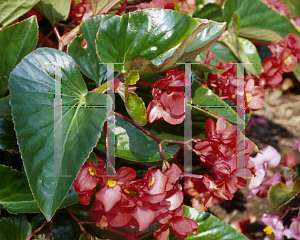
253	13
211	12
209	227
32	90
133	144
17	228
11	10
150	40
54	10
15	48
86	58
280	194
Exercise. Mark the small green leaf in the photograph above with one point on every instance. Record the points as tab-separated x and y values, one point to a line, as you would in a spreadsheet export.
54	10
133	144
11	10
150	40
16	228
86	58
211	12
8	138
257	15
31	87
297	172
252	53
221	52
136	108
280	194
132	78
209	227
102	6
15	48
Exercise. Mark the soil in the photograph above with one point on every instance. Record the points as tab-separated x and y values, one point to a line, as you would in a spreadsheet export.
280	130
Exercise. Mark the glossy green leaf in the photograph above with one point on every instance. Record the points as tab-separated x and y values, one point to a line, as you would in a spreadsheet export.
204	39
102	6
221	52
293	6
211	12
203	96
8	138
54	10
133	144
15	194
232	42
132	78
297	72
15	48
16	228
5	109
32	87
257	15
297	172
209	227
86	58
252	54
64	227
11	10
280	194
150	40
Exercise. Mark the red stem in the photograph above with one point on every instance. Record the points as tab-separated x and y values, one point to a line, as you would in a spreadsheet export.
36	230
145	83
70	25
47	36
260	43
80	224
119	8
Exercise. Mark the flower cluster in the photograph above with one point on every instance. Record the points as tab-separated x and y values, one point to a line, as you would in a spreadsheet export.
284	59
80	10
220	150
168	105
123	201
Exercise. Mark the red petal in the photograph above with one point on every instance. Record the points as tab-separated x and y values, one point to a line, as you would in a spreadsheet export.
109	196
144	217
183	226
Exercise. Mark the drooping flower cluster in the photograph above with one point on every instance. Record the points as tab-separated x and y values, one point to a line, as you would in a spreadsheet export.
123	201
168	105
80	10
220	150
285	58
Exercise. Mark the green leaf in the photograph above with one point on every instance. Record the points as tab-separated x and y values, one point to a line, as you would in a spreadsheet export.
15	48
209	227
133	144
16	228
221	52
257	15
31	87
54	10
293	6
251	51
5	109
11	10
64	227
297	72
211	12
203	96
280	194
8	138
264	35
132	78
15	194
86	58
102	6
232	42
204	39
297	172
150	40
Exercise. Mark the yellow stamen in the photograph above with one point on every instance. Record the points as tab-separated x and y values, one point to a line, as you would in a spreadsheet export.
152	181
249	97
287	60
111	183
268	230
298	28
125	190
93	172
